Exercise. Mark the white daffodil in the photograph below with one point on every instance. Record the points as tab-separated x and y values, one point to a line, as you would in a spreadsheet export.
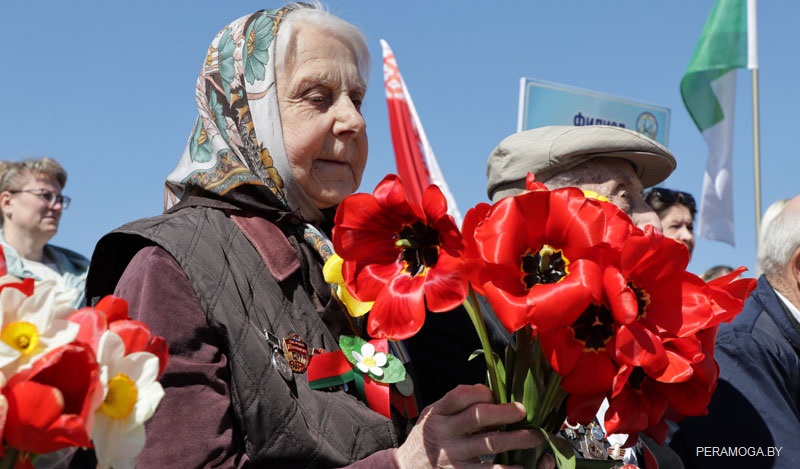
369	361
131	395
31	325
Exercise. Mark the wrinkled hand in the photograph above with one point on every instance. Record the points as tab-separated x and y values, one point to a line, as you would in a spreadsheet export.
460	427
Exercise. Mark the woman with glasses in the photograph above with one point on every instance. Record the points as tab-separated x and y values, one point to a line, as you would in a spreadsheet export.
676	210
31	204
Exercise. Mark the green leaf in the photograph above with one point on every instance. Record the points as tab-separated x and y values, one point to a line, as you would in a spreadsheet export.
511	354
522	363
501	374
530	397
349	344
562	450
393	372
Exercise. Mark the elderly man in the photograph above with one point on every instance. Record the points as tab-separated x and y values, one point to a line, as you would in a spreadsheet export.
613	162
754	416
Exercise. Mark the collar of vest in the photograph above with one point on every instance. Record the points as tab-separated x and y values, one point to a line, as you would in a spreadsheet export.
281	258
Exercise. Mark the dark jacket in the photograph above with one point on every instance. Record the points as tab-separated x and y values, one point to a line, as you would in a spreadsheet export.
755	410
250	273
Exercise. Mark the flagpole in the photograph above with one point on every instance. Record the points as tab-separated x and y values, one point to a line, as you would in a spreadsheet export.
756	153
752	64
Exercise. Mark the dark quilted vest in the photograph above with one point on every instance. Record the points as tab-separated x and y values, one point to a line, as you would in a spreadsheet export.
283	423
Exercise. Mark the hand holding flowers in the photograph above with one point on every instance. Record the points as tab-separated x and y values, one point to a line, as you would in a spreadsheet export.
600	310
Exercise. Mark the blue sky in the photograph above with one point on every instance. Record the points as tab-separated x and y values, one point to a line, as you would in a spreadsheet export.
107	88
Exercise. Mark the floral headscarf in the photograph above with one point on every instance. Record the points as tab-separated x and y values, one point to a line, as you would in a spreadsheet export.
237	138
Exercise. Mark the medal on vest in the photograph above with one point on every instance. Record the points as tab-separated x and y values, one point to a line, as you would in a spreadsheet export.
279	362
296	351
278	357
291	354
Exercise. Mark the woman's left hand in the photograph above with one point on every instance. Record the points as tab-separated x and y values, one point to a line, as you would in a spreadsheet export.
458	429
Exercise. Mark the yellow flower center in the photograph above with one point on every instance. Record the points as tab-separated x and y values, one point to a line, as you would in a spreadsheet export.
121	397
369	361
22	336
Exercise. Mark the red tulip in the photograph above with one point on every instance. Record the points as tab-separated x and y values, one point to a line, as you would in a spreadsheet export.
111	313
138	338
538	251
51	405
401	256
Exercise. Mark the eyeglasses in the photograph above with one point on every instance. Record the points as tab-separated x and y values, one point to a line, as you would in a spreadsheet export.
48	196
671	197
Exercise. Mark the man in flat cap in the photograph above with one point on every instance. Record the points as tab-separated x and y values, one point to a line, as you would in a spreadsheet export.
613	162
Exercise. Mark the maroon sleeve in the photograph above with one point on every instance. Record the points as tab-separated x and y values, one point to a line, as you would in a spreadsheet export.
193	426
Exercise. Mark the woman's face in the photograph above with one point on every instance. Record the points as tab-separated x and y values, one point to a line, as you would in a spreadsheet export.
29	214
319	95
678	224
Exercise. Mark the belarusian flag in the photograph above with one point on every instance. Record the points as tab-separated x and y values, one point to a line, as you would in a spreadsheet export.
708	89
416	163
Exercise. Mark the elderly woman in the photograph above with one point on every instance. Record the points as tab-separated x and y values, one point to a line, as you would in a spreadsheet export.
676	210
231	274
32	203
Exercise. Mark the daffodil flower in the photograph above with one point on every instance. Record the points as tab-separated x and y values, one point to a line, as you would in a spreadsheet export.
131	394
31	324
370	362
332	271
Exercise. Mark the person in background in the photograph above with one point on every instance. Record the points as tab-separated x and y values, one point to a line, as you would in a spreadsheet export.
756	405
769	214
231	274
612	162
715	272
32	205
676	210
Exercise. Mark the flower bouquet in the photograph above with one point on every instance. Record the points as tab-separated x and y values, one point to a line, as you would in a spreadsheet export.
603	314
73	379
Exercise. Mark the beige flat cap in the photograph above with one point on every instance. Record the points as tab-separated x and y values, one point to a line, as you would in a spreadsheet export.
547	151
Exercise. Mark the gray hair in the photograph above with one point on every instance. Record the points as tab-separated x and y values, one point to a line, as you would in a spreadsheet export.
314	14
779	242
14	174
572	177
584	173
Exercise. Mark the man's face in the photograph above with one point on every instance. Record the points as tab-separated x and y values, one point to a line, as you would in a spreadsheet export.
615	179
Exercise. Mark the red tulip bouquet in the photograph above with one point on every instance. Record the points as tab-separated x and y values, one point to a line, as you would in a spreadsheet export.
69	379
602	313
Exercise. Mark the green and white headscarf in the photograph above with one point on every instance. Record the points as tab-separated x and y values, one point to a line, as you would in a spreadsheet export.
237	138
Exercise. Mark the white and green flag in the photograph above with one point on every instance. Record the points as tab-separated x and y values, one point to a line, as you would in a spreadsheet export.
708	89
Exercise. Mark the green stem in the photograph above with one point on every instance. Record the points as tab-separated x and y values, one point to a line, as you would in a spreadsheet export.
522	363
553	394
474	311
8	461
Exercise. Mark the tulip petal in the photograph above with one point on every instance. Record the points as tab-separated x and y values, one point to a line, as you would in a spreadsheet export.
399	310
